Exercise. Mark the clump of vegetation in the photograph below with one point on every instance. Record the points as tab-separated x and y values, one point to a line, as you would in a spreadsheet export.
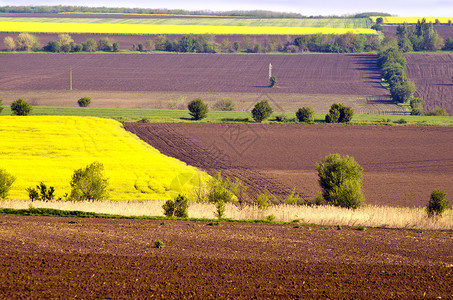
159	244
262	111
225	104
89	183
270	218
340	178
437	111
144	120
306	114
20	107
222	191
84	101
1	106
339	113
401	121
198	109
294	198
263	201
177	207
41	192
361	228
6	181
437	203
272	80
417	107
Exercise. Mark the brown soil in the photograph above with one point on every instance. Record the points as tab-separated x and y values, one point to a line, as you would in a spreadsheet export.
302	74
402	165
60	258
432	74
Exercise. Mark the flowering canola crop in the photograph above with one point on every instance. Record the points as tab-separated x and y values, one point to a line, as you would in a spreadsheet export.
50	148
140	29
412	20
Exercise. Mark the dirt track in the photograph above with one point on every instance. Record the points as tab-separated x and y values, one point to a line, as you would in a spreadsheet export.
45	257
402	165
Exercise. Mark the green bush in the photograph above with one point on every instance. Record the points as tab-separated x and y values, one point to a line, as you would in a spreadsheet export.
341	181
263	201
437	111
437	203
84	101
261	111
6	181
417	112
417	103
1	106
221	191
159	244
339	113
225	104
20	107
177	208
89	183
42	192
198	109
306	114
273	81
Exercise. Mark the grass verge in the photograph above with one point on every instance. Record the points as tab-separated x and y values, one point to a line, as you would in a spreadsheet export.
367	216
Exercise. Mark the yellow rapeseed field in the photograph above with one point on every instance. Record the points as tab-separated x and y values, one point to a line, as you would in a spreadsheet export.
34	27
413	20
50	148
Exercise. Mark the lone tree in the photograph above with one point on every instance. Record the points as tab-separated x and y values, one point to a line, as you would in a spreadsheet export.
262	111
437	203
221	191
341	180
20	107
305	114
84	101
89	183
198	109
6	181
339	113
177	208
1	106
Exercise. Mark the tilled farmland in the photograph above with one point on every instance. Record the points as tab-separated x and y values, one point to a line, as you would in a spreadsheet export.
402	165
433	76
303	74
45	257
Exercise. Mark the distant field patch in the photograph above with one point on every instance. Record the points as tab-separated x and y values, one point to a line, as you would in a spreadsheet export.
413	20
148	29
49	149
318	23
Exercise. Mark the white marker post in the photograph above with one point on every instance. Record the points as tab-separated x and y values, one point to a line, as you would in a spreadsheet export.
70	78
270	71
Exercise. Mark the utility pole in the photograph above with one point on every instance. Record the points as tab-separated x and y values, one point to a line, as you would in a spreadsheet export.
70	78
270	71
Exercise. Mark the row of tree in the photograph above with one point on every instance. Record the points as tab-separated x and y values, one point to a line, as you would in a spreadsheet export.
408	40
64	43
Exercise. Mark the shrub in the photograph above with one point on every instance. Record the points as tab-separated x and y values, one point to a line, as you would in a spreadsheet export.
417	112
89	45
225	104
6	181
27	42
262	111
221	191
105	44
20	107
401	121
305	114
116	47
1	106
177	208
437	203
263	201
341	180
270	218
52	46
417	103
198	109
84	101
9	43
437	111
159	244
89	183
339	113
273	81
32	193
42	192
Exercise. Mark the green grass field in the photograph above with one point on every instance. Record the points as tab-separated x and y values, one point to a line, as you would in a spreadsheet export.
318	23
179	116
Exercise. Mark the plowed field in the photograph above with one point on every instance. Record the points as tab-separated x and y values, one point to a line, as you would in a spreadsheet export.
52	258
432	74
402	165
303	74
